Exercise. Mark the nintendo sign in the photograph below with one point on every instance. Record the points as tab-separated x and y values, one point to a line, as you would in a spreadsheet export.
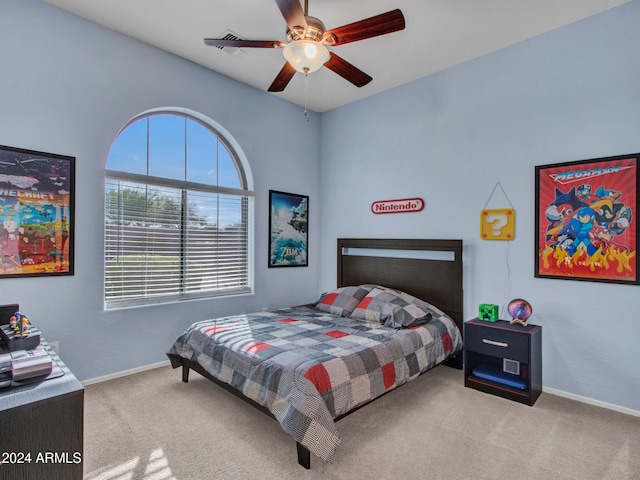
403	205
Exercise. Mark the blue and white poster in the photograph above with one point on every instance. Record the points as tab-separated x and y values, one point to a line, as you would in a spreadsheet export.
288	231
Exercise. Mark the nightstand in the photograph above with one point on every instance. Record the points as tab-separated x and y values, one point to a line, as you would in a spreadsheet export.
503	359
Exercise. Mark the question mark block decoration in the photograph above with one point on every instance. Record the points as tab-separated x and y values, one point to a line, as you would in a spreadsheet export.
498	224
488	312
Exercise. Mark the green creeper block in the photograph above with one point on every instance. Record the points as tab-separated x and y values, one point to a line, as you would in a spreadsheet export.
488	312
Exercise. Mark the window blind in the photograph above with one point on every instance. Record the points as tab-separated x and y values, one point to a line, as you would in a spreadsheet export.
165	243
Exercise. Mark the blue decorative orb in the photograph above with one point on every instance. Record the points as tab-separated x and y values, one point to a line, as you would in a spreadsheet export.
520	310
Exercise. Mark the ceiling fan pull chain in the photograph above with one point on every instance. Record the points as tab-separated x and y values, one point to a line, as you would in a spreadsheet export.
306	95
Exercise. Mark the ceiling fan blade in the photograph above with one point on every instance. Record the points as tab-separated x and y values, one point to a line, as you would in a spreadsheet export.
222	42
347	71
382	24
292	12
283	78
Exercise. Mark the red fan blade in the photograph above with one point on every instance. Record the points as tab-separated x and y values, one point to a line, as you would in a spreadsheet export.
292	12
347	71
283	78
221	42
369	27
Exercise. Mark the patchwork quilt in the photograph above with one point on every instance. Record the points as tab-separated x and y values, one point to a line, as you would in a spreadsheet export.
309	367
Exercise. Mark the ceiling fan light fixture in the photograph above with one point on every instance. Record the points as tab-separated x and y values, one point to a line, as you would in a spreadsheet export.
306	56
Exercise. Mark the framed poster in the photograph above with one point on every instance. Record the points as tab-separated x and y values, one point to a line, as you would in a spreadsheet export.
585	221
36	209
288	231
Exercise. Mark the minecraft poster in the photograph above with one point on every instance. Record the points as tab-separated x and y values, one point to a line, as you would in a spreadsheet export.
36	210
586	225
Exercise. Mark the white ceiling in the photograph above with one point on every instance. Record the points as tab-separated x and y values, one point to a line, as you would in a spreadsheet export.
438	34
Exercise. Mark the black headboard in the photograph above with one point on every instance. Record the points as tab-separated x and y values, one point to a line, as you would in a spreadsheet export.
428	269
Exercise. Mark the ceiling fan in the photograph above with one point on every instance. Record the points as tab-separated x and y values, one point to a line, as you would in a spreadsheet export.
306	47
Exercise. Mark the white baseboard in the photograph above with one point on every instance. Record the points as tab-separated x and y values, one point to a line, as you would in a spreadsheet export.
124	373
591	401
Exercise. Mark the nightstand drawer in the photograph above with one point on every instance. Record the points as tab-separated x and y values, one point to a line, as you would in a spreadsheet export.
497	342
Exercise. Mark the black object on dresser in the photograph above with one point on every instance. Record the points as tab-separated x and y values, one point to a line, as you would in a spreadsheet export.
504	359
41	426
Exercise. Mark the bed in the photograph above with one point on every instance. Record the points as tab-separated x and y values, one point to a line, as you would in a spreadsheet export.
396	312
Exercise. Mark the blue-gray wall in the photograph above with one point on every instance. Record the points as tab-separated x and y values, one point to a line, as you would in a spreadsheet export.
571	94
67	86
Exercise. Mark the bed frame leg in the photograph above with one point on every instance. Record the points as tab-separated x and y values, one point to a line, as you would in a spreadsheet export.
455	362
304	456
185	374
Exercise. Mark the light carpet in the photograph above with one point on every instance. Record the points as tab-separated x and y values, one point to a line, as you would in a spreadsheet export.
152	426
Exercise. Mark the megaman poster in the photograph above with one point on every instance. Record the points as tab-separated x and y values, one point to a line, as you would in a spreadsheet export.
288	229
36	209
586	225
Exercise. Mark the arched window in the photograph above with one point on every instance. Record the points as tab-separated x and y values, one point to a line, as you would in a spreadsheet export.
176	213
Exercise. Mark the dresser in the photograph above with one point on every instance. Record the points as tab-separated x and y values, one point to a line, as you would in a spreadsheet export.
41	427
